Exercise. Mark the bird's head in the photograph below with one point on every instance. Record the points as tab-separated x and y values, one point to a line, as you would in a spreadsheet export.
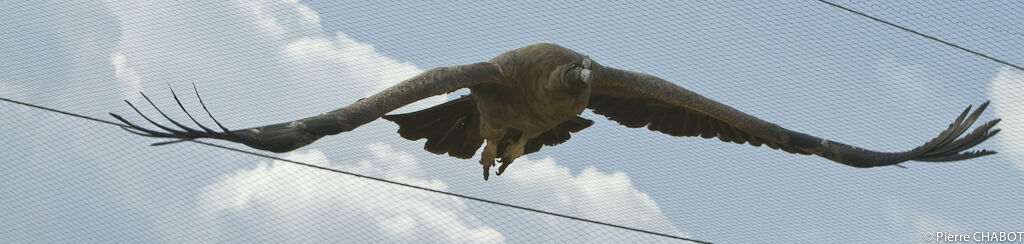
577	74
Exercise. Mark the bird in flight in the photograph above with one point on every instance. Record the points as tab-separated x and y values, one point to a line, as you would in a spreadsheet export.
532	97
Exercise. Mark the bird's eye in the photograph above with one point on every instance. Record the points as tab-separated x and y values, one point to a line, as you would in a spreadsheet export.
573	67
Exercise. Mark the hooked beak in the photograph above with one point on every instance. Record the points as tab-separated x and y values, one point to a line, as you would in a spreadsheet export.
586	76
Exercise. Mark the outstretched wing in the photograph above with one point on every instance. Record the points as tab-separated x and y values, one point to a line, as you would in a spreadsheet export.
637	100
288	136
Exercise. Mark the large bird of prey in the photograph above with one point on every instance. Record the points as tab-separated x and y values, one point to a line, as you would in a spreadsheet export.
531	97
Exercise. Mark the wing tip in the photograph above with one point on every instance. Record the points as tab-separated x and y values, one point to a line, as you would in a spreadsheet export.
949	145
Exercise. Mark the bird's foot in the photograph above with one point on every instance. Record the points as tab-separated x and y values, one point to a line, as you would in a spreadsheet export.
487	171
487	167
514	151
487	158
504	165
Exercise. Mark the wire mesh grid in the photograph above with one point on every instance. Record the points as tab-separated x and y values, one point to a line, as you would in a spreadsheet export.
806	65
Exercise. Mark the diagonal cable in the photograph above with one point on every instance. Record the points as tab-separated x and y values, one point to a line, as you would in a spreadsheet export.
374	178
922	34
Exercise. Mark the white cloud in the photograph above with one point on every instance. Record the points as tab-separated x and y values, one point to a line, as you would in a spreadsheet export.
11	91
592	194
259	52
347	60
1006	91
285	200
254	50
915	223
904	81
282	17
131	83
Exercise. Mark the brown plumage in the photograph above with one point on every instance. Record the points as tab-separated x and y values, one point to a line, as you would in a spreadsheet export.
531	97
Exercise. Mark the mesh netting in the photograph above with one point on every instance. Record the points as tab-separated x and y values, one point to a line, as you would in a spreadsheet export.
807	66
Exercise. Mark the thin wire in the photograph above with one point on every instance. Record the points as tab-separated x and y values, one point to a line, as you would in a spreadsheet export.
921	34
373	178
950	20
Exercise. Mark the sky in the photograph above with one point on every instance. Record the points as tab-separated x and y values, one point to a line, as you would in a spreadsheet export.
803	65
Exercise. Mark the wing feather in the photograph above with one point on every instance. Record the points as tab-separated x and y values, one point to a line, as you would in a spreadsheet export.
283	137
636	100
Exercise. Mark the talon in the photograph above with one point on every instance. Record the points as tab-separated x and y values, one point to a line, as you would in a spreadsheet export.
501	169
487	171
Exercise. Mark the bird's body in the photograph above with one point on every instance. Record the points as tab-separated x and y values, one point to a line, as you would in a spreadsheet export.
532	97
527	100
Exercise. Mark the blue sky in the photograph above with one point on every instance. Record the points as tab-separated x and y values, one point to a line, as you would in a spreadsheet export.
803	65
